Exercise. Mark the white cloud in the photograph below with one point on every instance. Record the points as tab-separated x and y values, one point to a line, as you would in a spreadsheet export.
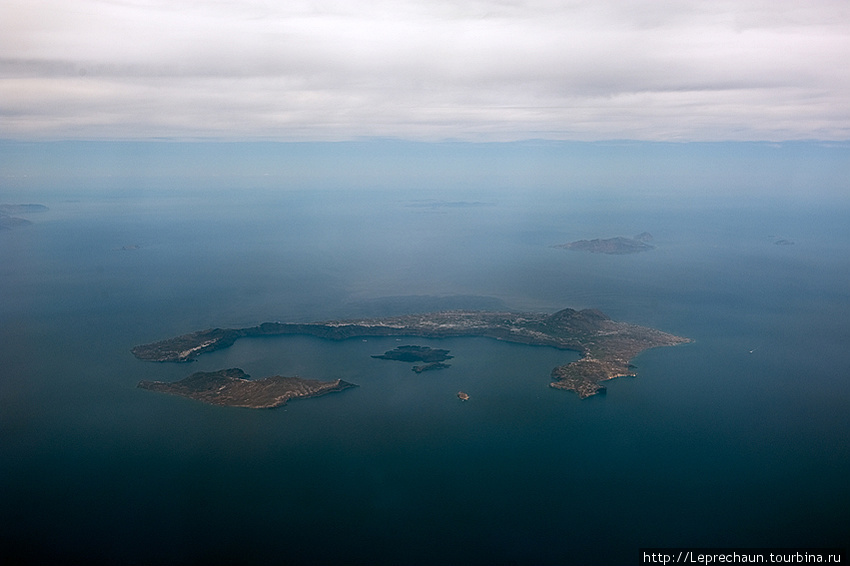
481	70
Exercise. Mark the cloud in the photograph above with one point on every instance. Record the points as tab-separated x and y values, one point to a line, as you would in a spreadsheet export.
483	70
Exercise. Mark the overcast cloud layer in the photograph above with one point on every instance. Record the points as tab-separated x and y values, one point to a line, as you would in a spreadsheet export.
425	69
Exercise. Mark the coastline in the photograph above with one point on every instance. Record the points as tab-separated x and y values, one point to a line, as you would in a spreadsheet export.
606	345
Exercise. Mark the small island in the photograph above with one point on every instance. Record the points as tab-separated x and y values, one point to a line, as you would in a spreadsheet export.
433	357
22	208
233	388
430	367
415	354
606	345
612	246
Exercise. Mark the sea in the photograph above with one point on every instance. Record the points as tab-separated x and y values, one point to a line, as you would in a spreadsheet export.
740	438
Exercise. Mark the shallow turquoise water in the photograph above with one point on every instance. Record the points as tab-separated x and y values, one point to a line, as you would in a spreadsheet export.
739	439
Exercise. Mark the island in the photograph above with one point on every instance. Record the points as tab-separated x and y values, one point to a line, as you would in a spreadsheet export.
433	357
612	246
7	221
22	208
606	345
430	367
415	354
233	388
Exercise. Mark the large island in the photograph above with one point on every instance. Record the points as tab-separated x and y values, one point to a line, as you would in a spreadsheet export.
232	388
606	345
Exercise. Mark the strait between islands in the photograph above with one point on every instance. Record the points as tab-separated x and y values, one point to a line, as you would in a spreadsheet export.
606	347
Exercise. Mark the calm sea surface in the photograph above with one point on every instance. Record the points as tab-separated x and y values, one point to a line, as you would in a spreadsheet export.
741	438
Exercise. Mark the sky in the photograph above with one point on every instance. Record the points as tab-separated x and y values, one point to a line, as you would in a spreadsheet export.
425	70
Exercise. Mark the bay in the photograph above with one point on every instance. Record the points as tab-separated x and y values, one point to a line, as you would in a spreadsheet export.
738	439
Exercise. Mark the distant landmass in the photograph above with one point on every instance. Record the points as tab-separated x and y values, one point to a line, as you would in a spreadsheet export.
606	345
449	204
233	388
7	221
614	246
22	208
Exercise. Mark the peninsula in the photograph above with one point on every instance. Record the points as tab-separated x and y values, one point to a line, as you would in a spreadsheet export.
605	344
233	388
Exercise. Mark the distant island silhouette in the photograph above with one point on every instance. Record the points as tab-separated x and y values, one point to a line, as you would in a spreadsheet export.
7	221
613	246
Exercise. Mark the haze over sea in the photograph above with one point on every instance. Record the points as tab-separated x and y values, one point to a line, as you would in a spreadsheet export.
737	439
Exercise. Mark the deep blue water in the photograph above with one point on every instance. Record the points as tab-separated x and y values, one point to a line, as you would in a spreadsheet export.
741	438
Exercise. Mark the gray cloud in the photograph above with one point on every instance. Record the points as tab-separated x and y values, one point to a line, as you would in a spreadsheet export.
484	70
